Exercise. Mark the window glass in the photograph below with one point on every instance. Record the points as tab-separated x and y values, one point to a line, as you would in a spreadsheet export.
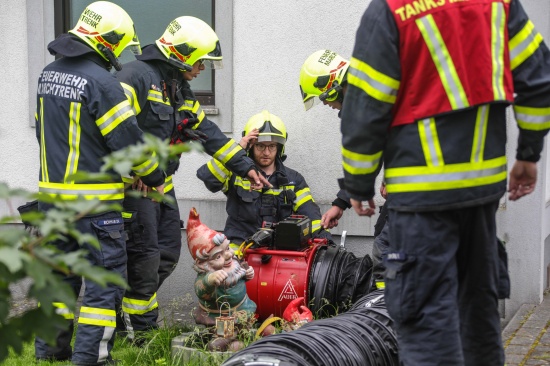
151	19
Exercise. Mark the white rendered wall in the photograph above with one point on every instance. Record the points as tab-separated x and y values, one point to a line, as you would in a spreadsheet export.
270	41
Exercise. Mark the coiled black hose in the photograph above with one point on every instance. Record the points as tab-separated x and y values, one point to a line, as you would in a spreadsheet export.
360	337
337	279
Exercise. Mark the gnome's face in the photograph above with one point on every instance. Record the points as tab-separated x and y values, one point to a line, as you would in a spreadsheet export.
218	255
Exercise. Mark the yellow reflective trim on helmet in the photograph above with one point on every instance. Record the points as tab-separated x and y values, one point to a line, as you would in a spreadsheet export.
132	97
430	142
115	116
450	176
376	84
532	118
524	44
356	163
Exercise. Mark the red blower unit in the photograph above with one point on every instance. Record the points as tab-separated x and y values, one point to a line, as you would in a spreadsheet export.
288	264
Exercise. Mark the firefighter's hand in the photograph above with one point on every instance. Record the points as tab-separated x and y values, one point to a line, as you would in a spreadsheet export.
249	274
160	189
216	278
249	139
523	178
257	181
331	217
141	187
364	208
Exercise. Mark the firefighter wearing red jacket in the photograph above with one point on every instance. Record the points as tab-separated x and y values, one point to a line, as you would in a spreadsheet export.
428	86
82	115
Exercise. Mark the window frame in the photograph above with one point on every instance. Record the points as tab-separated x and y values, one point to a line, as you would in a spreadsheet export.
62	21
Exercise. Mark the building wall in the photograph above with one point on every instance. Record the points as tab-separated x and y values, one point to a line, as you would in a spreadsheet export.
264	50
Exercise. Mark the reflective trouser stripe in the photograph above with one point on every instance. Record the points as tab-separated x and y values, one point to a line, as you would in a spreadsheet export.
135	306
97	316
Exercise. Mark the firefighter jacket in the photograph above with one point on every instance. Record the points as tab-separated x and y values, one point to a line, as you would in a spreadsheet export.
440	126
161	98
248	209
82	115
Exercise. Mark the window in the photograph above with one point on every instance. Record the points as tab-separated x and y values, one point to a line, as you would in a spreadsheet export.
150	19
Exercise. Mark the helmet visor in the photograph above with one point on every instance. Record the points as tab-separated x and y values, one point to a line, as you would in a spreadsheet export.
266	137
308	99
134	45
212	64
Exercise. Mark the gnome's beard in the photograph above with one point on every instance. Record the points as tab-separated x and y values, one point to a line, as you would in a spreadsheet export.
234	274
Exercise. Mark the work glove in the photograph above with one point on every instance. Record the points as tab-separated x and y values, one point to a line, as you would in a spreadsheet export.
185	132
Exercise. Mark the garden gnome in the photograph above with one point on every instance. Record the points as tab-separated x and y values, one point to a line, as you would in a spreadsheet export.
220	283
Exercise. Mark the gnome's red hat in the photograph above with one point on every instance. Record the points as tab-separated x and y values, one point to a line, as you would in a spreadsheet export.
200	238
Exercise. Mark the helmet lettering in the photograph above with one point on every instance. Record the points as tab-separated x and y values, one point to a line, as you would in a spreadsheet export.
327	57
173	27
90	17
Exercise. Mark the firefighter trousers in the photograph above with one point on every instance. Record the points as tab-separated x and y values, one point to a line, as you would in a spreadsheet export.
442	273
153	247
97	316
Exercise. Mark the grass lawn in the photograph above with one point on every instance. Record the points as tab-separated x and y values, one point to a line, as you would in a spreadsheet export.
155	351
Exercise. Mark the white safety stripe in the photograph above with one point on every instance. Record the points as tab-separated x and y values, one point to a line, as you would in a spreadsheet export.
103	351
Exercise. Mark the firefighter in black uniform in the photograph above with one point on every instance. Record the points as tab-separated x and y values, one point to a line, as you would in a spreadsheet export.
427	93
82	115
265	134
157	86
323	78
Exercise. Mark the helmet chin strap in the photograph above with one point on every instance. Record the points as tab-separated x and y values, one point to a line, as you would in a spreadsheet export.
177	63
109	54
